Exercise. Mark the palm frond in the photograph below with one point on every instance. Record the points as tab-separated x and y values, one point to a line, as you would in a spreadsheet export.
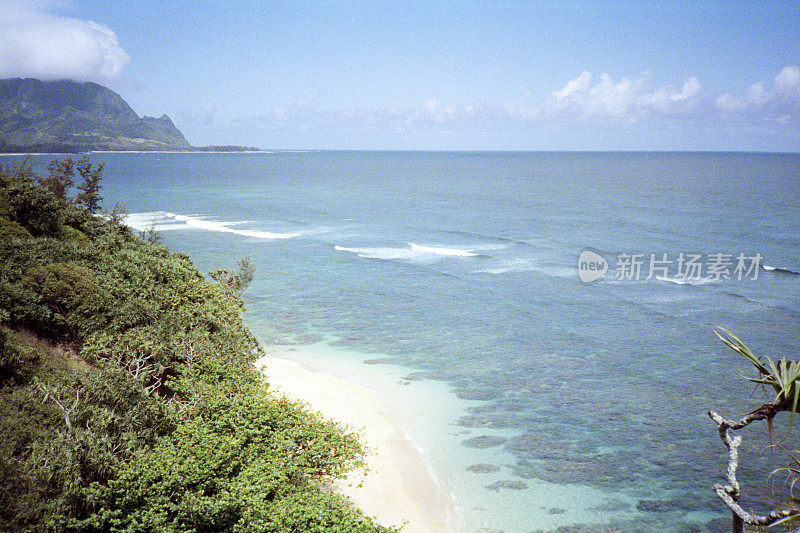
782	375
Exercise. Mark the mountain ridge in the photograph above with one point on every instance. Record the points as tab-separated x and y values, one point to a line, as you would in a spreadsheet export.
70	116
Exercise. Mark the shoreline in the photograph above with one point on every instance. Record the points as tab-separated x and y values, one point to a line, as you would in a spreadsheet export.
139	152
399	485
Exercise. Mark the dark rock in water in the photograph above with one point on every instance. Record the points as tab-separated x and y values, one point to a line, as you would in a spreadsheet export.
418	376
476	395
568	463
378	361
484	441
613	506
507	484
483	468
307	338
556	510
661	460
577	528
503	405
666	506
719	525
491	421
540	446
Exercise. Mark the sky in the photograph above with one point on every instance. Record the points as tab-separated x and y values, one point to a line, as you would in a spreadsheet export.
429	75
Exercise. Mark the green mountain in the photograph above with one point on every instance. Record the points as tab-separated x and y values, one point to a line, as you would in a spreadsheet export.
68	116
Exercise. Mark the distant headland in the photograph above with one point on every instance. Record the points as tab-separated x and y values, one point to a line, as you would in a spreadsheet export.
67	116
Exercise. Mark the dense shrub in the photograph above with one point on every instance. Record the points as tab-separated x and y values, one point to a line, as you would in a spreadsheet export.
12	230
233	467
33	207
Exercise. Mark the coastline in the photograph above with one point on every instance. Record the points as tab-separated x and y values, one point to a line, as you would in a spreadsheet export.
399	486
137	152
175	151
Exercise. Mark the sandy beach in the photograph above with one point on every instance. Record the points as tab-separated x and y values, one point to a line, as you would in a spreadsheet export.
398	487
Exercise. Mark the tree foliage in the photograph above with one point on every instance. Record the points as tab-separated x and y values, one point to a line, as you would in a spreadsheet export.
239	279
61	177
89	195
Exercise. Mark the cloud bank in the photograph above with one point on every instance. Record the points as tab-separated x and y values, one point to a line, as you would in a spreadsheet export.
583	99
782	103
627	99
35	43
589	111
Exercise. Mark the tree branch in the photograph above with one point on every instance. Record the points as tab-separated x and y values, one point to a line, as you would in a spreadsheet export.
50	394
730	493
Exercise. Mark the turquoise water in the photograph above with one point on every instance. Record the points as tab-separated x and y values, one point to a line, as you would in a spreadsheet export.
587	400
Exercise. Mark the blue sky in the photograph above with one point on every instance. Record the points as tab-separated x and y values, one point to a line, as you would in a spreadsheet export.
432	75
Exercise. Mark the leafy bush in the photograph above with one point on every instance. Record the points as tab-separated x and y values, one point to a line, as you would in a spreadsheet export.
12	230
242	460
33	207
70	291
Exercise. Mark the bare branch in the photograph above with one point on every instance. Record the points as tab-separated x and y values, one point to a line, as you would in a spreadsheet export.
730	493
746	517
48	394
768	410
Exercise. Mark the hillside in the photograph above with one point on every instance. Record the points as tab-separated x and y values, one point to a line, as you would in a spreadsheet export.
67	116
128	396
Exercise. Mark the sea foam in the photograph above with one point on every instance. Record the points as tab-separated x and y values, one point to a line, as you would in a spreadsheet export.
387	254
410	253
455	252
685	281
520	264
164	221
781	270
151	219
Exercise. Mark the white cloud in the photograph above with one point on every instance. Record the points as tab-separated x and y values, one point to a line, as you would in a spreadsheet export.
787	82
781	104
38	44
578	85
754	97
441	113
627	99
689	89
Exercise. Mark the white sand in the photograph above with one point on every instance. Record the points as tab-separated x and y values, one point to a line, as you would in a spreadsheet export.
398	486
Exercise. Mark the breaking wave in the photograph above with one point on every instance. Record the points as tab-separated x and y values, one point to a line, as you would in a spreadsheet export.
165	221
781	270
409	253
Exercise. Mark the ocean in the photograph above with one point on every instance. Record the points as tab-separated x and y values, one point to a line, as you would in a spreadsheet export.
550	403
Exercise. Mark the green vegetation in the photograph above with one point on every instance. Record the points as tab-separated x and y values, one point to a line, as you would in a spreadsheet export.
67	116
128	399
783	376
